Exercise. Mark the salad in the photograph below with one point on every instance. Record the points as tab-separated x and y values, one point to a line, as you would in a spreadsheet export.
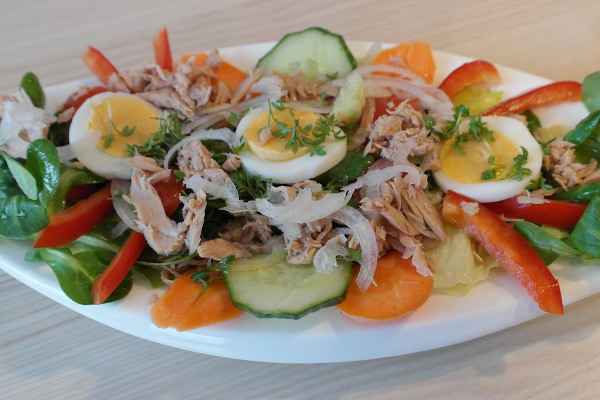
318	178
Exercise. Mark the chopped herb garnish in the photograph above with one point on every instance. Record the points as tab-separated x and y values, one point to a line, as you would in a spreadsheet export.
297	136
515	171
167	135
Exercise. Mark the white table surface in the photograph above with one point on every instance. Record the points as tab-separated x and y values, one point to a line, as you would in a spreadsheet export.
50	352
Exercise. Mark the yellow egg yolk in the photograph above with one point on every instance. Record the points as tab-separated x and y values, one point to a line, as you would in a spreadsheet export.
468	167
273	148
116	118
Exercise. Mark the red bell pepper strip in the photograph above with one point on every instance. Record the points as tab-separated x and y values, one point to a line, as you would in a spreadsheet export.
69	224
477	71
508	247
162	50
556	213
553	93
99	64
132	248
117	270
78	98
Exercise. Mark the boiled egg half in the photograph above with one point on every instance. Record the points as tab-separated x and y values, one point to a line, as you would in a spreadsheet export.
462	172
105	125
267	155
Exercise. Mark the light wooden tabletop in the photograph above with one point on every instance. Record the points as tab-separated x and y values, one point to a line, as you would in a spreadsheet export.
50	352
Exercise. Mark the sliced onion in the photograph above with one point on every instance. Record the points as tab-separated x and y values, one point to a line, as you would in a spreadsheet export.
364	233
123	209
369	69
325	259
304	209
65	153
224	134
372	179
226	191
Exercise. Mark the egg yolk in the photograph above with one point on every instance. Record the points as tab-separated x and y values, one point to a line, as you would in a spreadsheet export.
273	148
116	118
468	167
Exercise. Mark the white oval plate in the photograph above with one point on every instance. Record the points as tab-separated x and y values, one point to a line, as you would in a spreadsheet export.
326	336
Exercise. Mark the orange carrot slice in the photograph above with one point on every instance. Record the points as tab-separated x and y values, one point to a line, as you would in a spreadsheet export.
400	290
182	309
229	74
417	57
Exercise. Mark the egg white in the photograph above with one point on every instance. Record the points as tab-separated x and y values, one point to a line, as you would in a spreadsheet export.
289	171
497	190
83	140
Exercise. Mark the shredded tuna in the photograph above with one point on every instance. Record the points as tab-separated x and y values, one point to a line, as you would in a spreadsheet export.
194	208
163	234
470	207
21	123
194	158
218	249
402	138
560	162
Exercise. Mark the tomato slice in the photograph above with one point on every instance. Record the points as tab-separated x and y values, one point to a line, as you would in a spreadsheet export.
470	73
99	64
507	246
162	50
556	92
112	276
556	213
69	224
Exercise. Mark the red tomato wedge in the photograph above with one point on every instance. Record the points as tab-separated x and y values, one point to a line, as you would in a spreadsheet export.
553	93
417	56
162	50
69	224
556	213
132	248
470	73
229	74
99	64
183	309
507	246
400	290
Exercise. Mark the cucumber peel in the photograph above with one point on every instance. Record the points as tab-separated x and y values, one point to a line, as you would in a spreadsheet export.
315	52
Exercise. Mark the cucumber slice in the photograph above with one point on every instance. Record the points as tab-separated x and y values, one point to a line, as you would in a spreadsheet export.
267	286
313	51
349	103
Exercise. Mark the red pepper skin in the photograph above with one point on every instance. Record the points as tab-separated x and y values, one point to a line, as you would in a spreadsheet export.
69	224
78	98
162	50
553	93
477	71
99	64
508	247
132	248
117	270
556	213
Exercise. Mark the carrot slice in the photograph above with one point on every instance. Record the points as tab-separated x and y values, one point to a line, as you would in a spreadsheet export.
182	309
229	74
417	56
400	290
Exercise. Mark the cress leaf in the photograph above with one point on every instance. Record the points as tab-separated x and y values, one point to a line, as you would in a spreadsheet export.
44	165
21	217
586	234
22	177
590	91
